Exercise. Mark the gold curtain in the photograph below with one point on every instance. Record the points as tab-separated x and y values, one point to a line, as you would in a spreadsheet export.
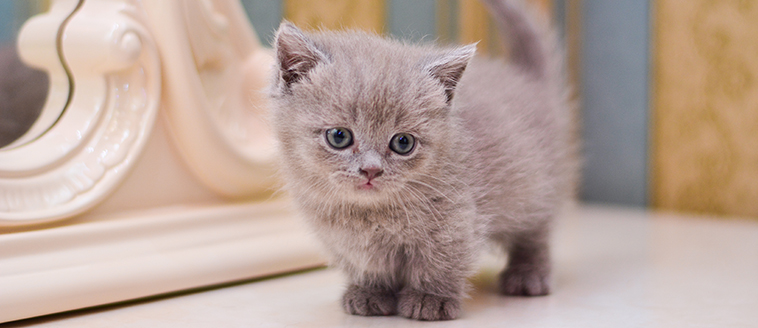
705	106
337	14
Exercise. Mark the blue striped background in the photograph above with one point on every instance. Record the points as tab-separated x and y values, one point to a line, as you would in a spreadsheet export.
615	62
9	20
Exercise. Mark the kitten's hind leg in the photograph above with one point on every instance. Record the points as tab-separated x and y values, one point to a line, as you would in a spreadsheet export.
369	301
528	270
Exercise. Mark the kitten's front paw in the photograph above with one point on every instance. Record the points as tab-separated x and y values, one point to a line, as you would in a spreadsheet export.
369	302
520	282
421	306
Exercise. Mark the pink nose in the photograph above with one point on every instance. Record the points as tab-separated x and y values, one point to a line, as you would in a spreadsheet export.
371	172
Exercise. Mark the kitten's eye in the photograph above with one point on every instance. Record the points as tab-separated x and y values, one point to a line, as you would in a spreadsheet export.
402	143
339	138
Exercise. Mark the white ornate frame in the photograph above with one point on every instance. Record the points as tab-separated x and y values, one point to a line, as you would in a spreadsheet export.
167	92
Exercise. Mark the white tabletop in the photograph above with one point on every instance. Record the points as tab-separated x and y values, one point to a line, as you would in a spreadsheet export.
614	267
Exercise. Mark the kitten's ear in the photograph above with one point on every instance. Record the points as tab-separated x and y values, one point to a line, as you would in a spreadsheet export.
449	66
296	54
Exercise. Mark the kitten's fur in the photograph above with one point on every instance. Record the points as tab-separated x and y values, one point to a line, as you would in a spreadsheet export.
492	159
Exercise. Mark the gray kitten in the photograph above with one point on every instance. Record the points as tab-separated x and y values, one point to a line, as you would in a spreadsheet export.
405	166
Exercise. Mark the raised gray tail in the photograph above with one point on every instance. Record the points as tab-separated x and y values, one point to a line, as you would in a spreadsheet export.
535	49
531	47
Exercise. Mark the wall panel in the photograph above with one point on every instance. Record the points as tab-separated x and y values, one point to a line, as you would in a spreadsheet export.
705	131
335	14
614	100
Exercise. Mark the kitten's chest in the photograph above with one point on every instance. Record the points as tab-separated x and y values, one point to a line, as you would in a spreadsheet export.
373	230
370	243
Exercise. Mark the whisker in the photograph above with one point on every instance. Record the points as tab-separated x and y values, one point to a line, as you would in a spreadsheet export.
434	189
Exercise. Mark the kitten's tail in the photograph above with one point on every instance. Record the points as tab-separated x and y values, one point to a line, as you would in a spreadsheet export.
533	47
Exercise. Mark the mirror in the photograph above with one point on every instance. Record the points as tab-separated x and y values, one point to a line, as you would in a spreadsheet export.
23	90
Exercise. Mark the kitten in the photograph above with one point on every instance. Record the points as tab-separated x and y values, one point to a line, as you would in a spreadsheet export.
404	165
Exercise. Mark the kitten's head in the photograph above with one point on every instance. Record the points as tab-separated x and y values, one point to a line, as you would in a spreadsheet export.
360	118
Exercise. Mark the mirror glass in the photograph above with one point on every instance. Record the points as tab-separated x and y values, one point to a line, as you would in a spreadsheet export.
23	90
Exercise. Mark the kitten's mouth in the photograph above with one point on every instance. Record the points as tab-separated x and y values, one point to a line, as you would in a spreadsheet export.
368	185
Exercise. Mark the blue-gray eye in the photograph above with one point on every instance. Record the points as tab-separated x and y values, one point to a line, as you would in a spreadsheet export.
339	138
402	143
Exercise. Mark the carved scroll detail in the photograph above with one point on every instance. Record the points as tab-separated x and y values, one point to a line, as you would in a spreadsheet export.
215	76
116	72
